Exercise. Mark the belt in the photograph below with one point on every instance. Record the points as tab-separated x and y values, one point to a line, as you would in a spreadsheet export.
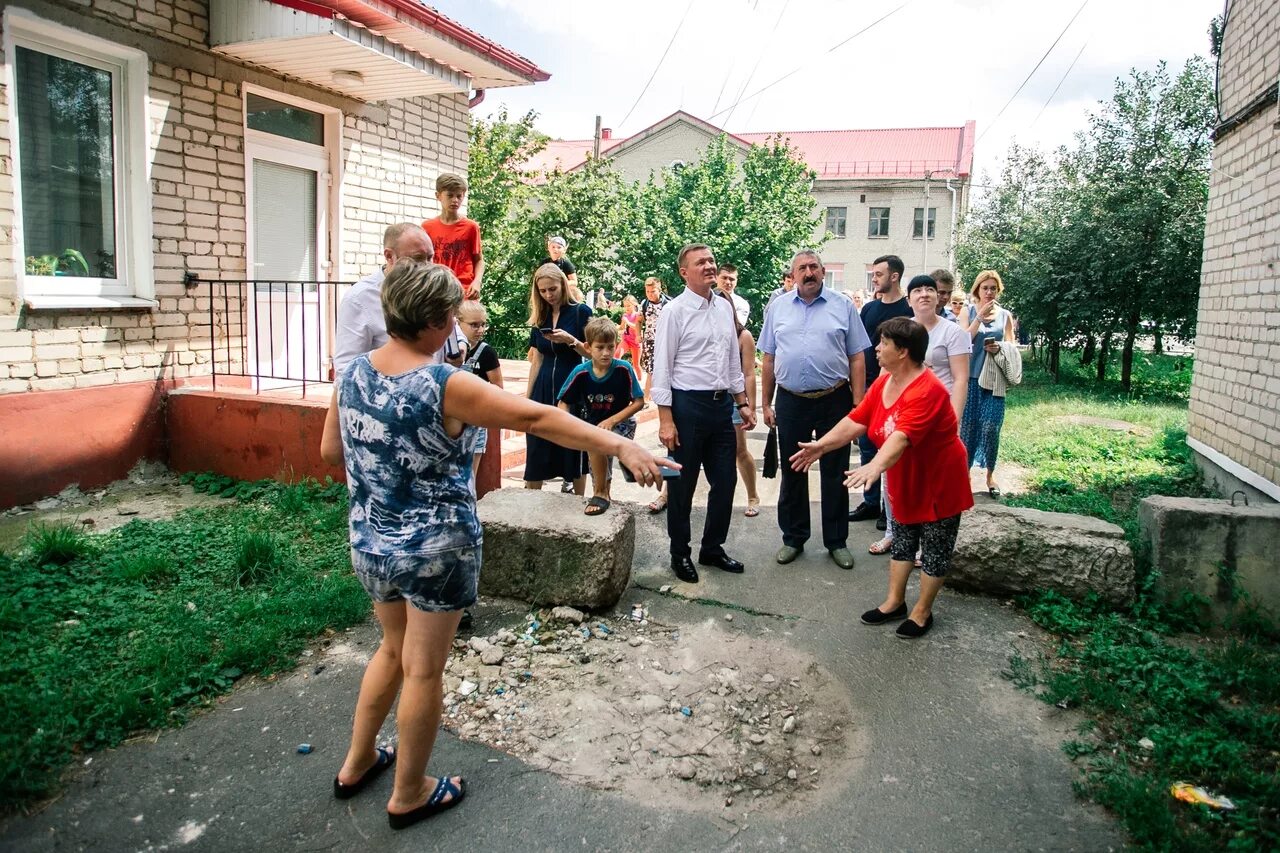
714	395
814	395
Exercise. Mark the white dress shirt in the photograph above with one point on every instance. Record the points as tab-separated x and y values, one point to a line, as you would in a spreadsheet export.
741	307
696	348
361	328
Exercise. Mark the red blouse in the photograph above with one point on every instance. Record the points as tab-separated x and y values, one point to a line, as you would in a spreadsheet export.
930	481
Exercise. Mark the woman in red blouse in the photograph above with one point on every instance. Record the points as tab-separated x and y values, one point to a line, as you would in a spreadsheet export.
907	413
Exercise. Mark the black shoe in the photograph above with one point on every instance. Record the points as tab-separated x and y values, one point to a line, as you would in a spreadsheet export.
882	523
909	630
723	562
876	616
465	623
683	567
864	512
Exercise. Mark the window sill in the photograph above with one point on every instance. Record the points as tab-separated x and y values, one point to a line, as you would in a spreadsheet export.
877	236
93	303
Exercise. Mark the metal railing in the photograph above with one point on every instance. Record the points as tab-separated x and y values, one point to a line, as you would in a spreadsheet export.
275	334
887	168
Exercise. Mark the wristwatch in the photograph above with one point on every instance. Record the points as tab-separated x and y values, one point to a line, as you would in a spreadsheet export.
745	404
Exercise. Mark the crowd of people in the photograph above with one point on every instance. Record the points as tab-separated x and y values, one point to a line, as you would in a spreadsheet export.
417	387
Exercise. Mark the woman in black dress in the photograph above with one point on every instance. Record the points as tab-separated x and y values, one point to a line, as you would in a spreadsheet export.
555	348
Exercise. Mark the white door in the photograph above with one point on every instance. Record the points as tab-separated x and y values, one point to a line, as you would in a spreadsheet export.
288	200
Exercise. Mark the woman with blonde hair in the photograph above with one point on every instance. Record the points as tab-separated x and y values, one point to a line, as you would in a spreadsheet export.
556	325
630	331
987	323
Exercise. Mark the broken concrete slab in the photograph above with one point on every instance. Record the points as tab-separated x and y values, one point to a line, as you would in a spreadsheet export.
540	547
1004	550
1209	548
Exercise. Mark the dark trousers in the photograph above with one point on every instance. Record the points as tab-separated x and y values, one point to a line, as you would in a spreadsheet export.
867	450
804	419
705	429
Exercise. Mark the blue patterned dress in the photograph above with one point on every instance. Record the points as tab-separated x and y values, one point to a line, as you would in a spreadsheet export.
414	530
983	411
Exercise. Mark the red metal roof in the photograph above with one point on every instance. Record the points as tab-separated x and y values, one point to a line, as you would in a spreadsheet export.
833	154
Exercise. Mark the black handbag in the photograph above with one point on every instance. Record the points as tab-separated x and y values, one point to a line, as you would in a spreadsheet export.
770	469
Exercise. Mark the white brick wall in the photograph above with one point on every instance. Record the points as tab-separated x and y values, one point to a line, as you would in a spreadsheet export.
1235	392
199	218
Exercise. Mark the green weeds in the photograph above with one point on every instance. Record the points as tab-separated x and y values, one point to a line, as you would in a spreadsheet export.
102	636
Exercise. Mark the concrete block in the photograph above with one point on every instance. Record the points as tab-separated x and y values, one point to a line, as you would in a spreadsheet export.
1003	550
540	548
1209	548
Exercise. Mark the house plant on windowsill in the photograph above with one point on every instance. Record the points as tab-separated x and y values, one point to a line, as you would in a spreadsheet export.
70	262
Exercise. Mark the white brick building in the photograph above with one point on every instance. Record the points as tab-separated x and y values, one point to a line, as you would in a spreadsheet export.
150	147
1234	420
870	190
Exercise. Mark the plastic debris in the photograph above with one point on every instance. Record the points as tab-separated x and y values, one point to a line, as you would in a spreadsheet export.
637	613
304	749
1188	793
665	588
687	711
603	627
466	688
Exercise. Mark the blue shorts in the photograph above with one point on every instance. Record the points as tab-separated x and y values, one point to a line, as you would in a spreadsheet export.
435	583
482	442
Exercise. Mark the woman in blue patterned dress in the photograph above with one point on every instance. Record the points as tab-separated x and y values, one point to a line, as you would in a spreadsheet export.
987	323
406	429
556	325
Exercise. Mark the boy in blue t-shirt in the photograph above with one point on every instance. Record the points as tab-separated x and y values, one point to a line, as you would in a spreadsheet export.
603	391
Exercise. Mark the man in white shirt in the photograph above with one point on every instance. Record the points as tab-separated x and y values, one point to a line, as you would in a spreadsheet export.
727	282
697	382
361	327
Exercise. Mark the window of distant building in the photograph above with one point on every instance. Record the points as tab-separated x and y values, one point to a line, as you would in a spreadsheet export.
878	222
918	227
836	217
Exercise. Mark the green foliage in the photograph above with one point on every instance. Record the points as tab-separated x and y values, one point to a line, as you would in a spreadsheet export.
70	262
152	621
1102	242
56	544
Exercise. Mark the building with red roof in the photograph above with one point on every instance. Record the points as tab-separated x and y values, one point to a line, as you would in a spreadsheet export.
879	190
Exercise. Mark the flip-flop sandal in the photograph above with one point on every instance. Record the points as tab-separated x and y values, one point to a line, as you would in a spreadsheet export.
880	546
994	491
386	758
598	504
435	804
753	508
657	505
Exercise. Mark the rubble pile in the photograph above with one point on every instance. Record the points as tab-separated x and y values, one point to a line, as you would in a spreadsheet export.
695	717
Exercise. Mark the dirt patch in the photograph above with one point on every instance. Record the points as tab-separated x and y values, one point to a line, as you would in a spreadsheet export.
1012	479
1104	423
150	491
698	717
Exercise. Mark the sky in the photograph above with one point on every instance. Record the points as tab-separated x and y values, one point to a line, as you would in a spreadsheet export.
929	63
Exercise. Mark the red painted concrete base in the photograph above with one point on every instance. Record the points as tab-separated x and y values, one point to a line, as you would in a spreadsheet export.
87	436
247	437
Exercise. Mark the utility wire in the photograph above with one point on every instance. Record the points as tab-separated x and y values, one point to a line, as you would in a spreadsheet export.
764	47
797	70
1059	86
661	59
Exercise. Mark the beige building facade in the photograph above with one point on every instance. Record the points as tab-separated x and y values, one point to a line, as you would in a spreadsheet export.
877	192
1234	419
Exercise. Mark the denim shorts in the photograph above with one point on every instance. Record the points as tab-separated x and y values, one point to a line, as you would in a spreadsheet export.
482	442
435	583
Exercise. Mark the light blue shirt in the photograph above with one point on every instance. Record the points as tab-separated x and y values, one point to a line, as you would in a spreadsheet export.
811	343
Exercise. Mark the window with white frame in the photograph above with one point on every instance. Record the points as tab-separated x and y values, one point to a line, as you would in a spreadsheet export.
82	200
918	227
835	277
878	222
836	217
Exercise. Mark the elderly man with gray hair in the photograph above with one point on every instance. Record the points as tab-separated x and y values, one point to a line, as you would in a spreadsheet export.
361	327
813	343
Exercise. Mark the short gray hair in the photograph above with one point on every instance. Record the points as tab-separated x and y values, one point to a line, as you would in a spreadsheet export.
418	294
806	253
395	232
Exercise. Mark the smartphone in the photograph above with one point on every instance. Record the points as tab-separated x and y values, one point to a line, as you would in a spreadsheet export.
546	333
667	472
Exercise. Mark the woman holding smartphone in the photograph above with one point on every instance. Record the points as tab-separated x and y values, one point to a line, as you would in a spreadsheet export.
556	324
987	323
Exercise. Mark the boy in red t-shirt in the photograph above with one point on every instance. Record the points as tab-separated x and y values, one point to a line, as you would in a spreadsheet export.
456	238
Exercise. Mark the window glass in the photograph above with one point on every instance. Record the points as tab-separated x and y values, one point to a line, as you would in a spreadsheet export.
836	220
280	119
68	170
878	222
918	225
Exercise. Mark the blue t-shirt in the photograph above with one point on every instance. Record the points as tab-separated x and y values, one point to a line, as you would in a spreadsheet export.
409	481
874	313
593	398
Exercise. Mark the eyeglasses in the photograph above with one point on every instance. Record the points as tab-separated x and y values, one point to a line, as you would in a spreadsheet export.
477	325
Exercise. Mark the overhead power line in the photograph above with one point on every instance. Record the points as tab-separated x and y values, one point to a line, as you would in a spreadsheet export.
800	68
764	47
661	59
1059	86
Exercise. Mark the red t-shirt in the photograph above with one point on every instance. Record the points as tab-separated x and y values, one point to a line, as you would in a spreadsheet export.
457	247
930	481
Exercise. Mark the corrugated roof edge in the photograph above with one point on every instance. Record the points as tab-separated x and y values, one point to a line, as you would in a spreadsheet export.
471	39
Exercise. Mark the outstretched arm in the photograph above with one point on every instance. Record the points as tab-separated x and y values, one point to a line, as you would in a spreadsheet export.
839	435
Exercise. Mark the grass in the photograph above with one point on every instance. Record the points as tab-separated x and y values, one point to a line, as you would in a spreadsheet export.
1205	697
106	635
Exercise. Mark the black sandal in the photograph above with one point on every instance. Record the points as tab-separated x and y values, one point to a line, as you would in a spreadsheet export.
435	804
598	504
386	758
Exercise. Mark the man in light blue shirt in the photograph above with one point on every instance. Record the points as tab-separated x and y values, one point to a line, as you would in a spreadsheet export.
813	343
